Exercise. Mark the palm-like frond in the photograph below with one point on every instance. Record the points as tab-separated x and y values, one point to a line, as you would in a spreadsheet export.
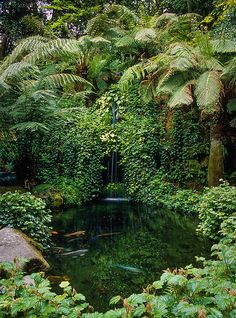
124	15
17	70
97	65
146	35
25	46
163	20
51	49
31	126
223	46
99	25
43	95
127	42
169	82
183	96
212	64
132	74
229	74
208	90
61	80
182	56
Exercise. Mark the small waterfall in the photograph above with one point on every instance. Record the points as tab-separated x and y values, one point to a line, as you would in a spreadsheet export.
114	163
114	191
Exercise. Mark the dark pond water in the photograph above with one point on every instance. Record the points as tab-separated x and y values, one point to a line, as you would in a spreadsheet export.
123	248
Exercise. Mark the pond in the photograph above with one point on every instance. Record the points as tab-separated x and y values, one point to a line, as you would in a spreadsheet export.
120	248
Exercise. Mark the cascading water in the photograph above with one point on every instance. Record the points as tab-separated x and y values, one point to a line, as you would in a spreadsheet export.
113	170
114	190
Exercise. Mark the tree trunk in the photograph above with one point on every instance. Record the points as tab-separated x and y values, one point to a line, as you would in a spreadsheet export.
189	6
216	157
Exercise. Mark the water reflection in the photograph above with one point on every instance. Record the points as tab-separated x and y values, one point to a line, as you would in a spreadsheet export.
118	248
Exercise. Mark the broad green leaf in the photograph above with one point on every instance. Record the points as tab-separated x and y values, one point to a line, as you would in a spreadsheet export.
208	90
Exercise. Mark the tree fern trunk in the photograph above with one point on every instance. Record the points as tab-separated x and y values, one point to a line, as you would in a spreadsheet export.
216	157
189	5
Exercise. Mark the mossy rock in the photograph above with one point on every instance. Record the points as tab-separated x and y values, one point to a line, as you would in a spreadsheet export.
17	247
56	200
4	189
47	192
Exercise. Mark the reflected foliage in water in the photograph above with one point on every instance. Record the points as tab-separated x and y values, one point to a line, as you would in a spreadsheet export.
124	248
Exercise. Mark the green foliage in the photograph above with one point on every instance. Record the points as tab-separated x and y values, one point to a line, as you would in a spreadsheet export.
216	205
70	158
183	148
207	291
160	192
27	213
36	299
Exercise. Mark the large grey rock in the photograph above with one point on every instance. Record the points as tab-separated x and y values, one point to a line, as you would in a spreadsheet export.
16	246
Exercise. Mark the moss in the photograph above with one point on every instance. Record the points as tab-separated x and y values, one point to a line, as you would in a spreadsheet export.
47	192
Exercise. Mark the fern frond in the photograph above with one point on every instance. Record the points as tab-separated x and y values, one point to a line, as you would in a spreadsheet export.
100	40
99	25
43	95
126	41
17	70
125	15
229	74
115	33
213	64
208	90
163	20
223	46
60	80
97	65
183	57
132	74
146	35
183	96
27	85
51	49
25	46
169	82
31	126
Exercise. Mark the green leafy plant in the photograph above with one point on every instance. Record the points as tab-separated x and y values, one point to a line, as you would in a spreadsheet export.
26	212
35	298
216	205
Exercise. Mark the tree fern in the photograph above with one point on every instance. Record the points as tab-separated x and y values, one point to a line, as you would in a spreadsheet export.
31	126
60	80
17	70
229	73
208	90
163	20
99	25
124	15
183	96
169	82
51	49
25	46
132	74
146	35
223	46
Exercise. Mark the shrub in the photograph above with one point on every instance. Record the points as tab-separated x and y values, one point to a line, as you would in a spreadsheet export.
36	299
27	213
216	205
162	193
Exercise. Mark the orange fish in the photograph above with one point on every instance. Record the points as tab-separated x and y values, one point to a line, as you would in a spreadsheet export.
78	233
